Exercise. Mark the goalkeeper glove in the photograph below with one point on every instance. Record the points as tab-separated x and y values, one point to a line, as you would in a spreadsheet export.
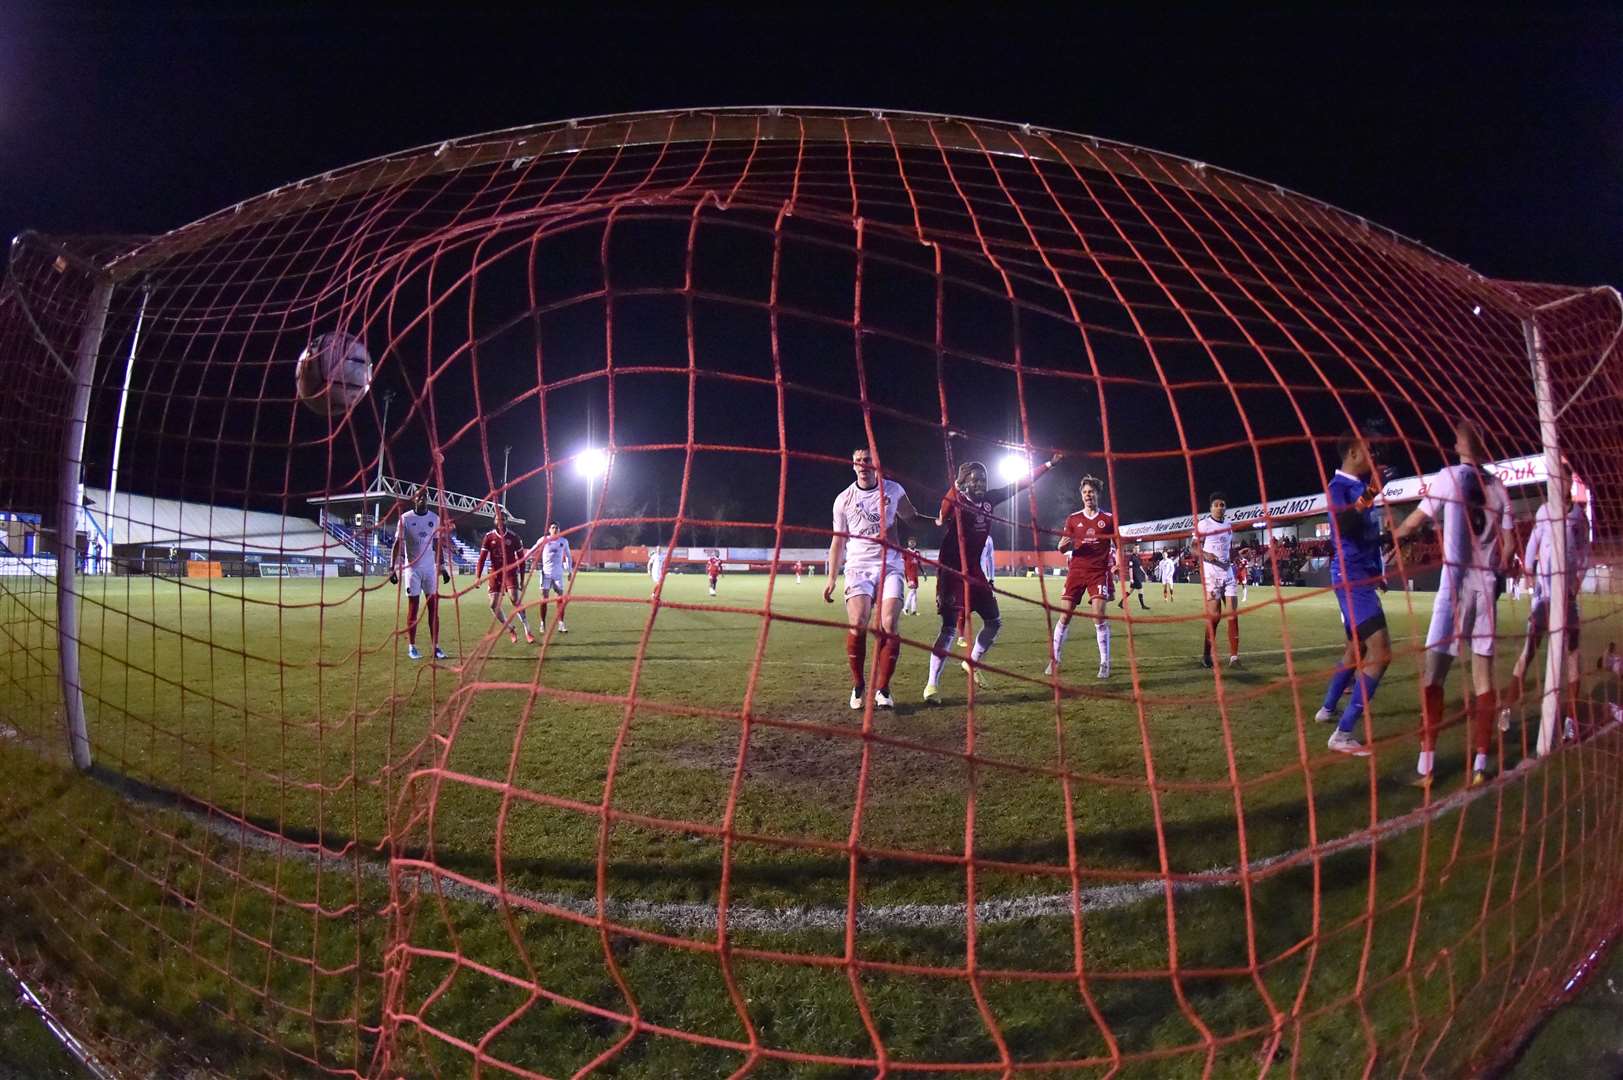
394	576
445	575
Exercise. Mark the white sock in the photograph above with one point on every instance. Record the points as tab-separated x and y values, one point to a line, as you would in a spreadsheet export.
1101	634
936	661
978	651
1424	765
1481	763
1061	632
525	622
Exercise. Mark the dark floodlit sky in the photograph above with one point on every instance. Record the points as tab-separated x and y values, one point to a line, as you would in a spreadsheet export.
1495	136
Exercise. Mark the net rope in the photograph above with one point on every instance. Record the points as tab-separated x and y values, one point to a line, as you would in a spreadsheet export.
663	845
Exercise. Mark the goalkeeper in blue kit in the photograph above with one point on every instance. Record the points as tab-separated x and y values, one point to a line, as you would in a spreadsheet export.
1356	571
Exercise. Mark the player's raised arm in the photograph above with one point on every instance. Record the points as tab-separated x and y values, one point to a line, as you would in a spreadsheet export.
1009	491
1439	491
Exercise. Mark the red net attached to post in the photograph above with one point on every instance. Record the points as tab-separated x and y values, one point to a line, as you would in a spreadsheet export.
1185	788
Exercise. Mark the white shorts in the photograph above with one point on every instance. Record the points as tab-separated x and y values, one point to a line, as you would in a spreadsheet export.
866	581
553	582
1465	610
422	581
1218	583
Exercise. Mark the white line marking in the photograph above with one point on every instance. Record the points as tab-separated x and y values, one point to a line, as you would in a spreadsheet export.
690	916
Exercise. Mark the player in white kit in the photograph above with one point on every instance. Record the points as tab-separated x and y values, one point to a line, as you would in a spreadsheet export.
419	553
1166	572
552	554
1215	535
1478	539
864	534
656	565
1538	564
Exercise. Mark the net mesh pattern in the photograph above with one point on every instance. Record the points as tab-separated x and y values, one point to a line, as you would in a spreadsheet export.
663	845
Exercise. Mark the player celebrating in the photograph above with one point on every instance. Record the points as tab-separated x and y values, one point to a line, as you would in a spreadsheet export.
866	513
712	568
1477	541
417	550
553	555
1215	535
507	558
910	576
1168	573
1538	563
1089	536
1356	569
961	583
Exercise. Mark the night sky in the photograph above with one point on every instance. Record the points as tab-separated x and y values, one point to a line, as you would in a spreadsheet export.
1496	138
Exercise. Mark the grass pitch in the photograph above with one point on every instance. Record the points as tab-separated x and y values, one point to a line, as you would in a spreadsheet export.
637	756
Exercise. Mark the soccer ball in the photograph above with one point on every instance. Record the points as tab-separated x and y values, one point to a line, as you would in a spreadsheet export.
334	372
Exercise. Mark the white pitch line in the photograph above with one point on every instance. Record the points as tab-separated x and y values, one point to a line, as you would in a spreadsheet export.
678	915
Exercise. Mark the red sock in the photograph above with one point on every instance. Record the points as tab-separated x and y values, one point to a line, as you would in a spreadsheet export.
889	648
543	623
1234	635
411	619
856	652
1431	715
1211	635
1482	724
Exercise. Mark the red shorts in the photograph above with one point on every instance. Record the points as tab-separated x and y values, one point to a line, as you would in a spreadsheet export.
1083	585
503	582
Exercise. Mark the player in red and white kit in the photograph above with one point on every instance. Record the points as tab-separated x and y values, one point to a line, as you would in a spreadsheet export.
961	582
1478	538
911	561
1089	536
800	568
864	536
1242	571
1215	535
507	558
712	569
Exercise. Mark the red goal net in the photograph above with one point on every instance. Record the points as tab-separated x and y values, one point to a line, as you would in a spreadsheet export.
288	793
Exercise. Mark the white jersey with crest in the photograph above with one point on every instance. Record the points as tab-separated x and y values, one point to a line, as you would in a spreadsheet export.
868	518
419	531
1473	507
555	556
1216	538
